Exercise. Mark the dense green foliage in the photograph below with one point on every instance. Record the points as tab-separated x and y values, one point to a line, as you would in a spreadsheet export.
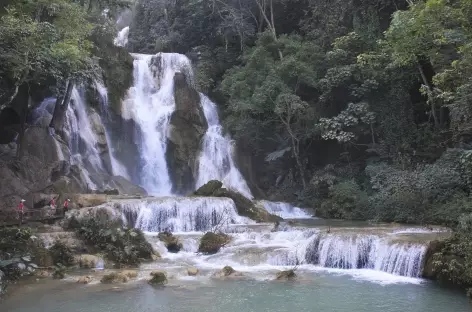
49	46
16	248
124	246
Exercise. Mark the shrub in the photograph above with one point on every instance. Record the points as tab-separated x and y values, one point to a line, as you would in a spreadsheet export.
61	254
120	244
346	201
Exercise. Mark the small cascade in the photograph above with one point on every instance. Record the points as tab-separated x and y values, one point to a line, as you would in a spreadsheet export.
150	103
216	159
121	39
82	139
366	252
285	210
180	214
118	168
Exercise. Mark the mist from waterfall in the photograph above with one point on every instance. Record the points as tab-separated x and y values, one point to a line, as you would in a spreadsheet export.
216	158
150	103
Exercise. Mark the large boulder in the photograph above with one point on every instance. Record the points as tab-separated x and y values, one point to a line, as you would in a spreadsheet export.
114	278
245	206
211	243
158	278
187	128
287	275
209	188
445	262
124	186
228	273
172	243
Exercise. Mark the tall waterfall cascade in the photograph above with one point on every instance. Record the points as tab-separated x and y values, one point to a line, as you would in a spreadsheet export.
150	103
216	158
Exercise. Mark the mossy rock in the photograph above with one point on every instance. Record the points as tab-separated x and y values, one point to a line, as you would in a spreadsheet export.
171	242
84	279
88	261
192	271
229	273
211	243
158	278
244	206
209	188
287	275
114	277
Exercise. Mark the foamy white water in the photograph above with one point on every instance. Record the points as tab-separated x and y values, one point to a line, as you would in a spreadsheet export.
180	214
285	210
121	39
150	103
82	139
216	158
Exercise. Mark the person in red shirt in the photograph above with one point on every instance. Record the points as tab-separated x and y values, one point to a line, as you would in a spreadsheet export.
53	203
21	205
66	205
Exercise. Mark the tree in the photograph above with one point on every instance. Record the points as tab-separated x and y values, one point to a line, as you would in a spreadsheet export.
267	88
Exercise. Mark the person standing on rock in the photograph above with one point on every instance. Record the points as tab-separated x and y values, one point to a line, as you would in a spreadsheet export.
20	211
52	204
66	205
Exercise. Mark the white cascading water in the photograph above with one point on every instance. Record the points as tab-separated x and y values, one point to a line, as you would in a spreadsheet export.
82	139
366	252
181	214
150	103
284	210
216	158
117	167
121	39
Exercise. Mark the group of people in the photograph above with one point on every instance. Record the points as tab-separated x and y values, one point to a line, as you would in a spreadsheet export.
52	204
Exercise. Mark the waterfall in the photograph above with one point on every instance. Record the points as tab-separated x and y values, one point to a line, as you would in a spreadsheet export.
118	168
150	103
180	214
82	139
284	210
216	158
121	39
366	252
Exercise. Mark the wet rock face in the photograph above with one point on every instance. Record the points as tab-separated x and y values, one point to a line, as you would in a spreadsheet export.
172	243
187	128
211	242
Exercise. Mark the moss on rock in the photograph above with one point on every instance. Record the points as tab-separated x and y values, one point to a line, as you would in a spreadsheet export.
287	275
209	188
114	278
244	206
158	278
211	243
171	242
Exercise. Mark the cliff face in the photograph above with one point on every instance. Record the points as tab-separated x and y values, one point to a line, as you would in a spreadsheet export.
187	128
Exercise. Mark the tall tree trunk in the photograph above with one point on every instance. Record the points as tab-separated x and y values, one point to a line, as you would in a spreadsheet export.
60	109
431	99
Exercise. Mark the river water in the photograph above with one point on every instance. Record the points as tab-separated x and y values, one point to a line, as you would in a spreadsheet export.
316	291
